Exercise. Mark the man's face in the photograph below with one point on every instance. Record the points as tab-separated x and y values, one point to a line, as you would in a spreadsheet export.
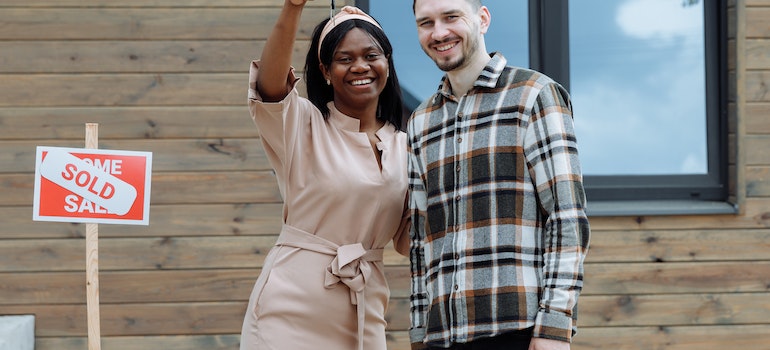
449	31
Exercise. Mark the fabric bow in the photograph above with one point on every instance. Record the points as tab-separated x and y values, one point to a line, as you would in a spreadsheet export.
349	268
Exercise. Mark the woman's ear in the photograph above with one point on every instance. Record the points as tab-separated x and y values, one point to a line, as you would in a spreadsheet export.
325	73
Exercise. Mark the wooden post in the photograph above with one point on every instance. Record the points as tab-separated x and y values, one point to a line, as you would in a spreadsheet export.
92	260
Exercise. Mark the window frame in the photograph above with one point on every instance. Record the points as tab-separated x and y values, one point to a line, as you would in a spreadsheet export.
616	195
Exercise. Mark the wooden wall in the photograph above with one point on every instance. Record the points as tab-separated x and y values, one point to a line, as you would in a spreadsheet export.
169	76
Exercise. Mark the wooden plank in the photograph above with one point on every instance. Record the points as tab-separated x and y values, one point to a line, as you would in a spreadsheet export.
164	56
148	23
678	246
144	319
138	319
673	338
757	118
674	278
161	253
757	54
224	154
756	85
646	310
673	310
62	123
166	221
125	90
174	188
180	286
169	253
757	181
257	217
757	22
210	285
146	286
757	149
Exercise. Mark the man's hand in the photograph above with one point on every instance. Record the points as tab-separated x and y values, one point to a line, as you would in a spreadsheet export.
298	2
547	344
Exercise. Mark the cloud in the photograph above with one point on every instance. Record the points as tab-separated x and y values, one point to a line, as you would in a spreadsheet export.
659	19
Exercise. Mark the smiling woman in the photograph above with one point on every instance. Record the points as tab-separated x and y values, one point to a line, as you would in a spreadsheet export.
340	160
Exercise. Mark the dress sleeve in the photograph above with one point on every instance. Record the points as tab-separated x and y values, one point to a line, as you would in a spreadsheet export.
402	241
280	123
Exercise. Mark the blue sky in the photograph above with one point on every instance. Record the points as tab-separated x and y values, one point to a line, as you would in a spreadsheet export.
637	77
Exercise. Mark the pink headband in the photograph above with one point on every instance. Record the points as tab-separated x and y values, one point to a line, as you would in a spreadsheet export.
346	13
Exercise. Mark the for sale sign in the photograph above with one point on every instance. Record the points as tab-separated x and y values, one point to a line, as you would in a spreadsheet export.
92	186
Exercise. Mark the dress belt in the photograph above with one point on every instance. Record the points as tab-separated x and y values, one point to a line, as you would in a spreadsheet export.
351	266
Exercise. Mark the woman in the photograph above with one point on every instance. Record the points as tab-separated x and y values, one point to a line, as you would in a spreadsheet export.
340	160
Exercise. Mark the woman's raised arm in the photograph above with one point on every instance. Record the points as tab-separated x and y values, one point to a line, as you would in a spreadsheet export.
276	56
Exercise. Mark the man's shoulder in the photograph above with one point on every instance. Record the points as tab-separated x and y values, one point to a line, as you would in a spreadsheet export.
517	75
429	104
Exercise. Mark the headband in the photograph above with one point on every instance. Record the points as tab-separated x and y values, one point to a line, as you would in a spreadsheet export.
346	13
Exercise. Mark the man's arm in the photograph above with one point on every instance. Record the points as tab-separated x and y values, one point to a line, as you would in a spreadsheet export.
551	151
419	302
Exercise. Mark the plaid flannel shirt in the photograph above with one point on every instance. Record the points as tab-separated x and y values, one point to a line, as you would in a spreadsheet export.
499	230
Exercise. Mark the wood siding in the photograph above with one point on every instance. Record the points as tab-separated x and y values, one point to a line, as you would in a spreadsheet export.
170	77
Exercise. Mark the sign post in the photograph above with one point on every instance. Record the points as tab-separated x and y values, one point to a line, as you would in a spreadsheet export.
92	261
92	186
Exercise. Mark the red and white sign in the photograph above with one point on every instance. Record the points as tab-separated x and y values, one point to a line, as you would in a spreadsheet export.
92	186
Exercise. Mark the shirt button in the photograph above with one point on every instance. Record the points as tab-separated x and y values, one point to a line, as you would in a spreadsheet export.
459	140
457	256
457	287
458	168
457	198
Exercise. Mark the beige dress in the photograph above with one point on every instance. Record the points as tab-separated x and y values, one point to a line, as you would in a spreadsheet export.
322	285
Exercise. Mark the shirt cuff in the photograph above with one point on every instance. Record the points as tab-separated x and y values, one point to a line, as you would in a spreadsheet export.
553	325
416	335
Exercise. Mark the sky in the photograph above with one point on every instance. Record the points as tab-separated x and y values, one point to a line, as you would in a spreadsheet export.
637	77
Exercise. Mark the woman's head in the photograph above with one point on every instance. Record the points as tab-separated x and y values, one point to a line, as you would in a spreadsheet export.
367	54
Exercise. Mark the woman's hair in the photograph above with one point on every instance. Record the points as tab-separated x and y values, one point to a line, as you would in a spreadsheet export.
390	104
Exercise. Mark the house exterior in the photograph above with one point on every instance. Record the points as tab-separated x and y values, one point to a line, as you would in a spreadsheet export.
170	77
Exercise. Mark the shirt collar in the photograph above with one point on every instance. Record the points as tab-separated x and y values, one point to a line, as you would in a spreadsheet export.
486	79
345	122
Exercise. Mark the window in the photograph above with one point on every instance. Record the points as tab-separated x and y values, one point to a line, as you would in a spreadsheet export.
647	80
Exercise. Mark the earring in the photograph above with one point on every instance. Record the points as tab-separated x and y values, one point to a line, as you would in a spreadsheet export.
328	82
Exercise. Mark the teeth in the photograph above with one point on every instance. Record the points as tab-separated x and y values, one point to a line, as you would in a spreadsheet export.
445	47
362	82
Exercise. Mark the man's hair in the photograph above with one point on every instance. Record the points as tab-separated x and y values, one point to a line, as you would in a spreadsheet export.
476	4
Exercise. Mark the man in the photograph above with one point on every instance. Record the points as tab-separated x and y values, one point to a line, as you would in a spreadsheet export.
499	228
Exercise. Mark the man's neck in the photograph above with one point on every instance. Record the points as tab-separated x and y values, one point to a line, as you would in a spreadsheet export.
463	79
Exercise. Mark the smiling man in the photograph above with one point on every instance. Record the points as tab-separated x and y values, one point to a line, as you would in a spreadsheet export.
499	226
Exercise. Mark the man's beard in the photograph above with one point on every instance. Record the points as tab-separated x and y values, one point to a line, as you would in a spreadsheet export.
448	66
